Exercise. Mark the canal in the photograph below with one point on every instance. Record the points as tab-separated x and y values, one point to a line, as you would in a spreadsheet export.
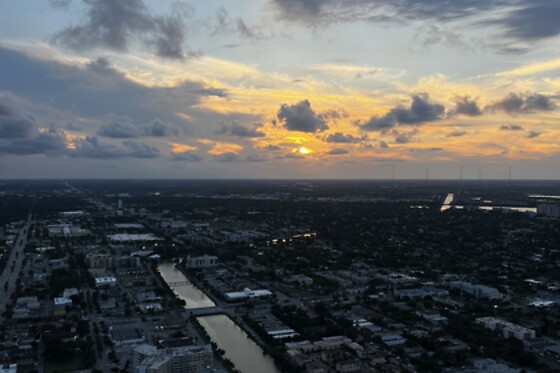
245	354
184	289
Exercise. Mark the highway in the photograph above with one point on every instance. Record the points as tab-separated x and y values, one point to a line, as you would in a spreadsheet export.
13	267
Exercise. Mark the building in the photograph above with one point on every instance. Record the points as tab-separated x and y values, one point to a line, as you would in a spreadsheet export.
420	293
25	306
101	282
205	261
508	329
478	291
550	210
247	294
184	359
99	261
11	368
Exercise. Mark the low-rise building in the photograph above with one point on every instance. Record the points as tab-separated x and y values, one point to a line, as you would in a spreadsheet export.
204	261
508	329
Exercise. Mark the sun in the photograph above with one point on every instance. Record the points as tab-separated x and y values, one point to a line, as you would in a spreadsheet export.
304	150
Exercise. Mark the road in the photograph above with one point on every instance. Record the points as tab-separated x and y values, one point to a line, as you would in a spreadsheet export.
13	267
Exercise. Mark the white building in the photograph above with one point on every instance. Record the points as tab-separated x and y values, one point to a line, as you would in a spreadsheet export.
105	281
508	329
186	359
248	293
11	368
204	261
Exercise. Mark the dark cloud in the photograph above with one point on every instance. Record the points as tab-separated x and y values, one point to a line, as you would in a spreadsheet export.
511	127
523	103
20	133
520	20
421	150
158	128
456	134
255	158
119	130
113	25
238	130
324	12
533	134
102	66
271	147
421	110
337	151
466	106
73	127
227	157
403	138
339	137
94	91
304	11
236	157
49	142
140	150
91	147
532	20
300	117
126	129
383	145
14	123
187	156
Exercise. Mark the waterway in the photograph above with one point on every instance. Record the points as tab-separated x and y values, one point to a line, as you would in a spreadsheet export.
245	354
448	204
184	289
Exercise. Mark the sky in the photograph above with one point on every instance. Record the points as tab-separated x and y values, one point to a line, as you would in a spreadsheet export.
379	89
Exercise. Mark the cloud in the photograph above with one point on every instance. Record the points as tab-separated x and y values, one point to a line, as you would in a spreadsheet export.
113	25
533	134
456	134
14	123
102	66
48	142
339	137
519	20
511	127
124	128
158	128
404	138
466	106
523	103
119	130
224	24
92	90
325	12
229	157
532	20
91	147
187	156
337	151
421	110
300	117
237	130
140	150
